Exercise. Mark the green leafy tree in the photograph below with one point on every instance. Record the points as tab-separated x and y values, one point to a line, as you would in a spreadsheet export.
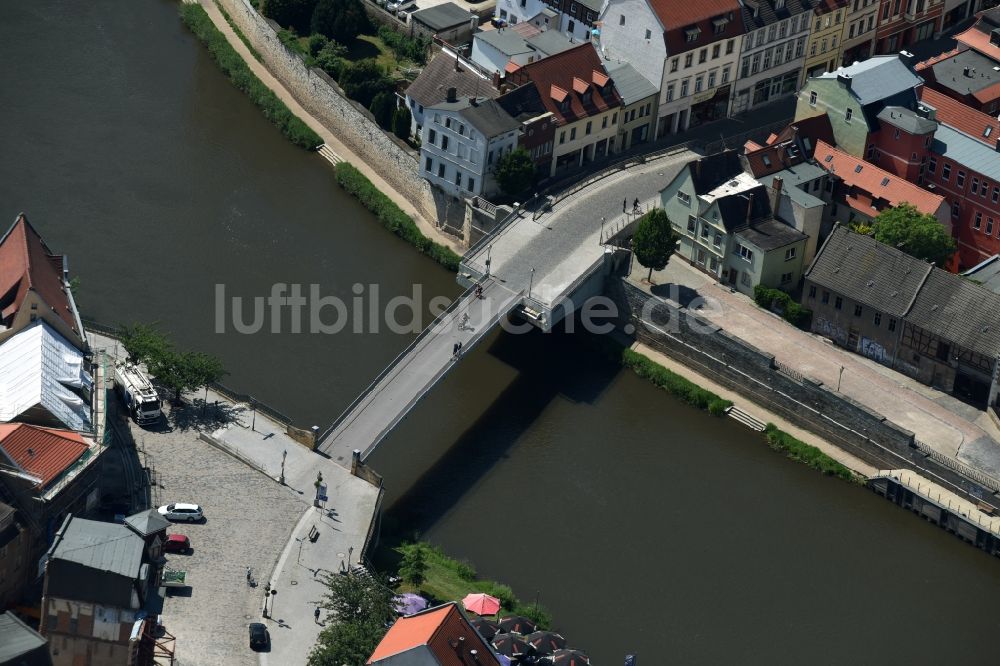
363	80
515	171
143	343
330	58
654	241
918	234
316	44
401	121
291	13
340	20
413	568
361	607
383	107
186	371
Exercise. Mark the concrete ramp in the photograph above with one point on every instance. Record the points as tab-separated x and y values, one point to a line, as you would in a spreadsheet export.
415	371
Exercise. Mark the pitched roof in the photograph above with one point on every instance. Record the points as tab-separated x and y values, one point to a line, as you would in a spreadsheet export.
20	645
523	103
680	17
968	152
441	73
792	178
770	234
439	629
554	77
986	273
147	522
876	78
950	111
875	274
27	263
708	172
103	546
506	42
767	13
44	453
792	145
959	310
978	36
550	42
631	85
906	120
441	17
484	114
877	182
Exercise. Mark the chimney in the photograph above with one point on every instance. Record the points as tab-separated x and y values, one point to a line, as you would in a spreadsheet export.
844	78
775	194
473	101
750	208
452	95
458	65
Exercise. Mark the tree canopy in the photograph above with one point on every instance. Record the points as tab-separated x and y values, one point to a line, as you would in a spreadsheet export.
185	371
382	107
401	121
291	13
515	171
361	608
654	241
143	342
340	20
918	234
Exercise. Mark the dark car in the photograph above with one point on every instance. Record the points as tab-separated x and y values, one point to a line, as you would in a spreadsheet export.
259	638
177	543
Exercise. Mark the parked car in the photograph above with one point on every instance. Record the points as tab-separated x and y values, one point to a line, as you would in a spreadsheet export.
408	5
177	543
181	511
259	638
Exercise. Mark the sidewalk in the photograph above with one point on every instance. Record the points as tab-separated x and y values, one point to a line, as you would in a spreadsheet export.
358	161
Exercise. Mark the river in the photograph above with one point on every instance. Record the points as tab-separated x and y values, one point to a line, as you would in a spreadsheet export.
642	525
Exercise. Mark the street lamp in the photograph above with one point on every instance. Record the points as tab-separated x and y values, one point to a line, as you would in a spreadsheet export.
839	378
350	551
253	422
531	281
284	454
489	251
267	593
600	241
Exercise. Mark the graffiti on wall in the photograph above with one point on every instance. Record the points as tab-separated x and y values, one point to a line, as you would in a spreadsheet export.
873	350
829	329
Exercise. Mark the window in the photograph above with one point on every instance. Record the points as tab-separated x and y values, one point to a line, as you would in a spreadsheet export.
704	230
697	84
892	324
838	303
848	114
444	142
431	137
812	98
715	265
932	165
896	135
684	198
767	59
688	60
717	241
711	79
818	26
745	253
745	69
783	28
812	291
755	64
725	74
472	185
800	46
684	87
960	178
458	177
954	209
760	38
621	19
946	171
989	226
701	257
562	137
441	170
604	122
428	165
857	310
572	134
702	55
674	63
589	123
877	319
975	185
716	50
670	92
692	223
996	193
572	26
729	46
984	189
648	34
745	280
789	254
977	222
826	297
786	278
461	129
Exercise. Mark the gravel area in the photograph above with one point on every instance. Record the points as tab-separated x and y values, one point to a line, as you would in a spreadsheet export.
248	520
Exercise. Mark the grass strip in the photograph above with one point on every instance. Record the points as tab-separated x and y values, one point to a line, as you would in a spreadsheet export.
448	579
806	454
392	216
674	384
239	33
195	17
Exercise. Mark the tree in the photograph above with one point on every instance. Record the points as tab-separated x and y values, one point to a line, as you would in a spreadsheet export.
654	241
340	20
515	171
382	107
362	607
186	371
329	58
364	79
401	121
291	13
918	234
316	44
143	342
413	568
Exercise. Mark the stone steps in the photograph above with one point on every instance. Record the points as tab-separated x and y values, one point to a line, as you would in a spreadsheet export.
746	419
327	153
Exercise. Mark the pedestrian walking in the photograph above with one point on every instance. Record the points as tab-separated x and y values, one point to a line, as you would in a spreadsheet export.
454	349
458	352
635	204
316	614
624	204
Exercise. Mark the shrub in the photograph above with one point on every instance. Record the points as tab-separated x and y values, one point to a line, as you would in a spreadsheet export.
363	80
236	69
401	121
791	311
316	44
805	453
410	48
383	107
391	216
674	384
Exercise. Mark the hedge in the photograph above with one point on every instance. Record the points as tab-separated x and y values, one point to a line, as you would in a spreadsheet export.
239	73
674	384
791	311
392	217
805	453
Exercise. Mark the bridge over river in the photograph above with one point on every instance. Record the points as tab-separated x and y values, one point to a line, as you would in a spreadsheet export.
538	266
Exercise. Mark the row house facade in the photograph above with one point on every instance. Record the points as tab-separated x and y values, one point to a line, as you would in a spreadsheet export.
689	50
858	39
824	47
773	52
903	22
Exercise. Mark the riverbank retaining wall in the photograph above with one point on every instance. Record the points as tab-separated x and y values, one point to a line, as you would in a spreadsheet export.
802	400
323	99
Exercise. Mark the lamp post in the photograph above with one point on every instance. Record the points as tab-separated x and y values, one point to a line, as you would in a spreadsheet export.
839	378
489	251
267	593
350	551
531	281
253	422
284	454
600	241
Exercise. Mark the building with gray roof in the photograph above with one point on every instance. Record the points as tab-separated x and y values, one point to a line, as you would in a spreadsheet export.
907	120
876	78
447	21
147	523
642	104
963	149
20	645
446	71
986	273
968	76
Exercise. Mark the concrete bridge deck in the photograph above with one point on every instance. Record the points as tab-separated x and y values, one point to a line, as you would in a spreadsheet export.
415	371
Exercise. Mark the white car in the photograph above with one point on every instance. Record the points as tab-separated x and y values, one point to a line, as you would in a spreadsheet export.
180	511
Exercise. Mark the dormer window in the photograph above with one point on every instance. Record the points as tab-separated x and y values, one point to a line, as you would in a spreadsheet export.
779	4
719	23
692	33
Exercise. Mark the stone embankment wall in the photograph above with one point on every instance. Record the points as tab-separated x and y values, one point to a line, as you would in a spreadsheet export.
321	98
802	400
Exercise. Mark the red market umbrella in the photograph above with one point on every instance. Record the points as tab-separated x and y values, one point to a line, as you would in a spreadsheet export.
481	604
569	658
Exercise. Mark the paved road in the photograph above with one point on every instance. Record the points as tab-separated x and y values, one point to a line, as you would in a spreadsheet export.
366	422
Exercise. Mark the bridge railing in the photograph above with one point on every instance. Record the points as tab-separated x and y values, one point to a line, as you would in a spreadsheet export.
371	387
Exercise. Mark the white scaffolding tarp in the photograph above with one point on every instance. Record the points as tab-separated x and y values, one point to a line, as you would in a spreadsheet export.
40	367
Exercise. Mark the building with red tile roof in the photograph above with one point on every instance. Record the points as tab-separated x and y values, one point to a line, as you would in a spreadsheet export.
33	285
965	119
43	453
984	35
868	190
966	75
439	636
575	88
792	145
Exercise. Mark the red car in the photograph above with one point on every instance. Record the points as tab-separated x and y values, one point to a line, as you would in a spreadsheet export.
177	543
